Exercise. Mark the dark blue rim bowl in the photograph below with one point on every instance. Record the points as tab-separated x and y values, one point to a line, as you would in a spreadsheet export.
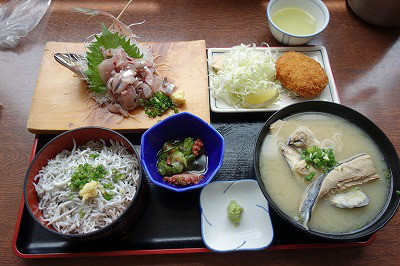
177	127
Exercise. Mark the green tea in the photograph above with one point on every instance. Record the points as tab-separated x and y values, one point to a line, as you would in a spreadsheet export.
294	21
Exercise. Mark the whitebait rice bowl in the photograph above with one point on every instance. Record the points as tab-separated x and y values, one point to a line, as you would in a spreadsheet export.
85	189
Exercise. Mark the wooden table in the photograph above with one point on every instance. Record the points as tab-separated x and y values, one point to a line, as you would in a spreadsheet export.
365	60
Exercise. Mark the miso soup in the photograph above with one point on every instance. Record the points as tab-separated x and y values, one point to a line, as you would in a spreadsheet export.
346	140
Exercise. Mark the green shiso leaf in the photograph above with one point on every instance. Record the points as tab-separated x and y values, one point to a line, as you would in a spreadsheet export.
94	56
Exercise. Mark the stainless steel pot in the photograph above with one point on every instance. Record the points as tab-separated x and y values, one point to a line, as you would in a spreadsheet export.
381	13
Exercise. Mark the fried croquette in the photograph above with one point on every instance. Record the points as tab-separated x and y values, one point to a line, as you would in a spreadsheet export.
301	74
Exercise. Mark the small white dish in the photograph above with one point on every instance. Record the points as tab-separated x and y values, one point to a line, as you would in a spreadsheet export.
316	8
219	234
317	53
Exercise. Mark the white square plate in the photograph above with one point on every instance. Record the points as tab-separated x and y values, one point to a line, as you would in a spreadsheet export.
318	53
219	234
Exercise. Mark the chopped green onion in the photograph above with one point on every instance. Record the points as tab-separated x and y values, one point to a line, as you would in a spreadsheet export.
117	175
157	104
310	176
108	195
94	155
86	173
319	157
109	185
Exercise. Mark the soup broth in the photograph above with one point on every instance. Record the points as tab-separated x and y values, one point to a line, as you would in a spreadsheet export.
287	191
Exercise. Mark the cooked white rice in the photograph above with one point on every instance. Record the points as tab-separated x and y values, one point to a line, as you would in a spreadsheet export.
64	209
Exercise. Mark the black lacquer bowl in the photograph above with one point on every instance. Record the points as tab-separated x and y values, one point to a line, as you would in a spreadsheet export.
65	141
376	134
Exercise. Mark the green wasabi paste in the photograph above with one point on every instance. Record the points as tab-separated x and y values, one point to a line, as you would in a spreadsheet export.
234	212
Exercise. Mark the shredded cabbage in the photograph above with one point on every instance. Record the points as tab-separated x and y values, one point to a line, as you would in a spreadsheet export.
246	78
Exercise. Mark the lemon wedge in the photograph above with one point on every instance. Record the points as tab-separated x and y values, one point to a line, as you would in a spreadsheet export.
261	99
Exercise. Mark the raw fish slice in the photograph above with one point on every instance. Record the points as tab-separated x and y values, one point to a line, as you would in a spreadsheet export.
353	171
105	69
353	198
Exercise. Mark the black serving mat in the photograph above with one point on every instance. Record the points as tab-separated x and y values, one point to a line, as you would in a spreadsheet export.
172	220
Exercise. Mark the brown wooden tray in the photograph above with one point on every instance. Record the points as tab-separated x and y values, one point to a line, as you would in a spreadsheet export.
60	99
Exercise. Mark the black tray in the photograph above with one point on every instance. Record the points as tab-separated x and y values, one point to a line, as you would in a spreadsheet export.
171	221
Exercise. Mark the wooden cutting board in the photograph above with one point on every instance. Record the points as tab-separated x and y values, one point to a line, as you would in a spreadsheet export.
60	100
